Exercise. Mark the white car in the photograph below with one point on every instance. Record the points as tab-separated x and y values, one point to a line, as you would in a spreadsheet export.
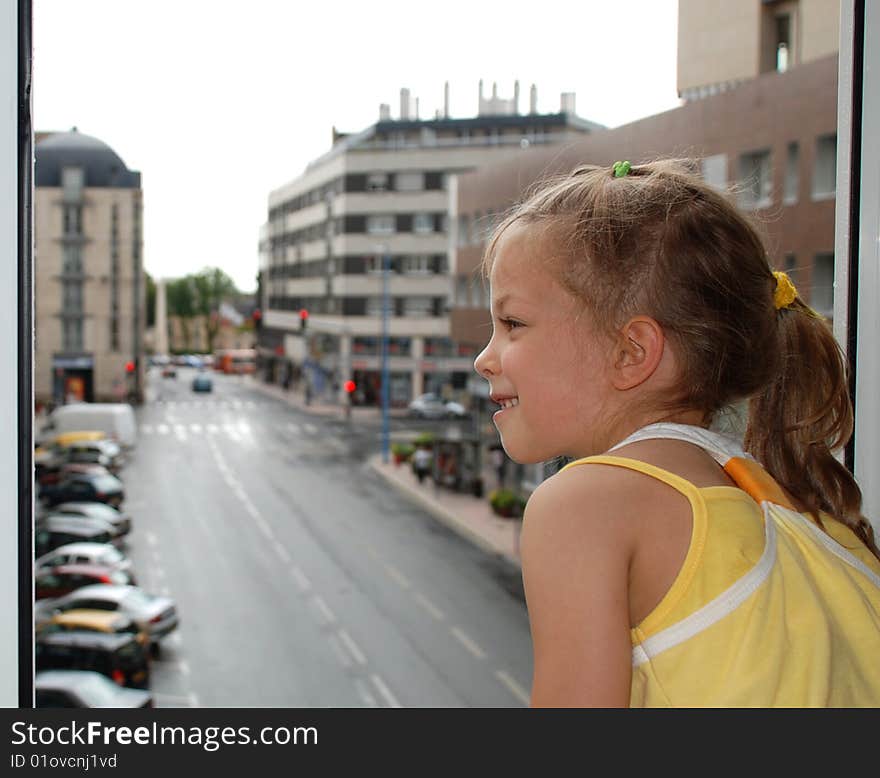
432	406
86	554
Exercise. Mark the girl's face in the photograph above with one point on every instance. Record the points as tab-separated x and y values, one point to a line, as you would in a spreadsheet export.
547	368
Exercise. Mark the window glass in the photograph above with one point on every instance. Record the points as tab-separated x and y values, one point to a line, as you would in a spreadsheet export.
756	179
825	167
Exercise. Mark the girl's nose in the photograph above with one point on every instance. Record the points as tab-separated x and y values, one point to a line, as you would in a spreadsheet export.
485	363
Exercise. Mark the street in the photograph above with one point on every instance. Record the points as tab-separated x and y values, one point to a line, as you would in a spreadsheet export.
301	579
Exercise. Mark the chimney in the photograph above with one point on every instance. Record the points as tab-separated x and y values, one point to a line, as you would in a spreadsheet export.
446	100
533	100
404	103
566	102
384	112
516	97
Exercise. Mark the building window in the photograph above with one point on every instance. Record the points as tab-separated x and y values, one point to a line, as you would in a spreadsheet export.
72	334
374	306
409	181
72	182
462	292
423	223
72	219
71	260
464	224
825	168
792	174
417	264
418	307
714	170
380	224
377	182
756	179
72	297
822	287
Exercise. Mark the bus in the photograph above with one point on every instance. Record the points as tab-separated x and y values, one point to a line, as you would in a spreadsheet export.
238	361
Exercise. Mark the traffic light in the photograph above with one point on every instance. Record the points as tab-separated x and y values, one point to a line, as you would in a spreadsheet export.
303	319
349	386
257	317
129	366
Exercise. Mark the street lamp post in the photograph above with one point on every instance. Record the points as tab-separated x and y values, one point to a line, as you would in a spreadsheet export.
385	378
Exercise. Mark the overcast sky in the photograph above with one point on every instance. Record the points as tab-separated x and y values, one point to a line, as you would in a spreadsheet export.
217	103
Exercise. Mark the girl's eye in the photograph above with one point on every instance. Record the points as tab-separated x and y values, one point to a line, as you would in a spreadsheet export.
511	323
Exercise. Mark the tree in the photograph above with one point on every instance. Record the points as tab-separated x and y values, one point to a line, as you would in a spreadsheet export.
212	287
181	301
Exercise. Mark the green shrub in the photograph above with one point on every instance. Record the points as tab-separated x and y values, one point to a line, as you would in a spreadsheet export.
507	501
403	450
424	439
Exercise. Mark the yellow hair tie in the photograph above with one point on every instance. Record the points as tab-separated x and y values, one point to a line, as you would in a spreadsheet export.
785	293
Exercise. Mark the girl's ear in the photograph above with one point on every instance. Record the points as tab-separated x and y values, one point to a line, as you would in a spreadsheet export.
638	352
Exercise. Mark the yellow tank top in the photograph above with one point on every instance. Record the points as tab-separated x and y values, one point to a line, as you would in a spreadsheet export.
768	610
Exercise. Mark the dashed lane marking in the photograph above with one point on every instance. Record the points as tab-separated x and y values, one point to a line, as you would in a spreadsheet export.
364	693
399	578
352	647
301	580
469	644
521	694
385	691
328	615
429	606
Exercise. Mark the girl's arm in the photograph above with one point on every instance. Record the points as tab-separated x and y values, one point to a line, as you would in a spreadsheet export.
576	550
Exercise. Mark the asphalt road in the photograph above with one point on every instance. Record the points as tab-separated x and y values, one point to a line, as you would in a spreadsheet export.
301	579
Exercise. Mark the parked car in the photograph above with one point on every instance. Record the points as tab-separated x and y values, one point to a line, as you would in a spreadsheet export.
154	613
118	656
81	486
116	420
84	553
97	510
432	406
85	689
57	581
91	620
202	383
51	532
169	371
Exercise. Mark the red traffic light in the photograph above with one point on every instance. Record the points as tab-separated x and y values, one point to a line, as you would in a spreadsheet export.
257	314
129	367
303	314
349	386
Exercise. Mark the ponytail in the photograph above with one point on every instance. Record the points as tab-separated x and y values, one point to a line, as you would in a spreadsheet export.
803	416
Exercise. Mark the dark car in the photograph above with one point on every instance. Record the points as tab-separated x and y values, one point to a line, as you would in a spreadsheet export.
51	532
169	371
84	487
119	656
96	510
56	581
85	689
202	383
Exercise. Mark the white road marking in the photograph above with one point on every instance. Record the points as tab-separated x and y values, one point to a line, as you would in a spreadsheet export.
281	551
184	667
339	446
468	643
212	428
352	647
193	700
172	699
197	428
147	429
429	606
160	572
231	431
162	429
385	691
311	428
343	658
521	694
301	580
364	693
175	638
293	427
399	578
180	431
328	615
151	538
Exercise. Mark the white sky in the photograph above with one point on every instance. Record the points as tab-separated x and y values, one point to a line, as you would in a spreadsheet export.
216	103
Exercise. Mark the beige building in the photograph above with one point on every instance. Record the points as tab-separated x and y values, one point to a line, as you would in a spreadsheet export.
383	194
722	43
89	294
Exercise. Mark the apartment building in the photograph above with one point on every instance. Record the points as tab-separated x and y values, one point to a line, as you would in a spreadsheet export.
89	291
377	200
724	43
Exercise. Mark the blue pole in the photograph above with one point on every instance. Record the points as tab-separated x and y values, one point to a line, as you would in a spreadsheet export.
385	379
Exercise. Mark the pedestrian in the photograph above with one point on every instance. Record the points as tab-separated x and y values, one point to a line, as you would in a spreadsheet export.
499	462
669	564
422	459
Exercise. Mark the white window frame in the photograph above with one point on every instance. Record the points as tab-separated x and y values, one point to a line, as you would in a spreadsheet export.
381	224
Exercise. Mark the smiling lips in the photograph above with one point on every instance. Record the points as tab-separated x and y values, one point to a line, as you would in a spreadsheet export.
506	402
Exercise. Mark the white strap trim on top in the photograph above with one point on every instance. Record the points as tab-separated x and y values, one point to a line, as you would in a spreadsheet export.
722	448
715	610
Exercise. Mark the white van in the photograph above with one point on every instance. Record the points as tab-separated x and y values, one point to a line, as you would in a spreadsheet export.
116	420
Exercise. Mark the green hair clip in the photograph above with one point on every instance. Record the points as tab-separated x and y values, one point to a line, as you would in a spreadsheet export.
621	169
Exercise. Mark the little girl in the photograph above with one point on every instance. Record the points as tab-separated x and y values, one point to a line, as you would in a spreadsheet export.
669	565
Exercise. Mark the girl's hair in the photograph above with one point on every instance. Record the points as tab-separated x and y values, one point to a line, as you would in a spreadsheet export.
659	241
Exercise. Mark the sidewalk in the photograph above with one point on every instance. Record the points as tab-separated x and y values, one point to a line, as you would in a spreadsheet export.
469	516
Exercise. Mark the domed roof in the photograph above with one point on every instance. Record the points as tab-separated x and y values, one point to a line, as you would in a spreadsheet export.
103	166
